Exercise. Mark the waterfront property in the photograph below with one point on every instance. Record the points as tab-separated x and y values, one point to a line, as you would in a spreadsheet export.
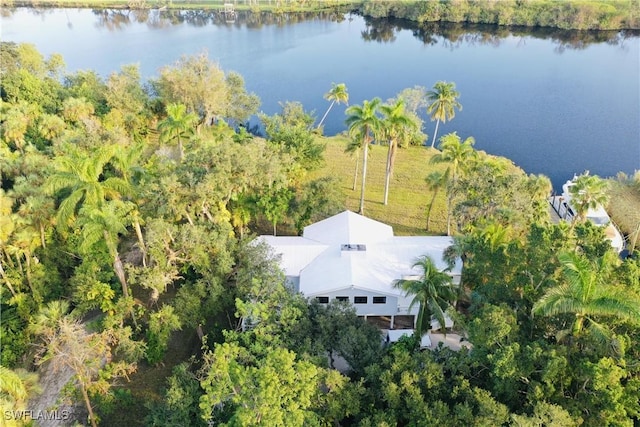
349	257
564	209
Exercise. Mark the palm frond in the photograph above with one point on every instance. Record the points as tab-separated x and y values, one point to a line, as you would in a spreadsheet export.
116	187
67	208
59	181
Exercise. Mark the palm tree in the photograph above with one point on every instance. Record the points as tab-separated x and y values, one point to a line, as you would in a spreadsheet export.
364	125
177	125
353	147
457	154
586	295
241	207
496	236
102	225
127	163
539	187
15	123
588	192
50	126
443	102
7	227
24	241
40	210
339	94
433	292
15	388
82	176
397	121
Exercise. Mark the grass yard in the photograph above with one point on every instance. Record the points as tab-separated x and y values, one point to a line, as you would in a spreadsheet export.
409	196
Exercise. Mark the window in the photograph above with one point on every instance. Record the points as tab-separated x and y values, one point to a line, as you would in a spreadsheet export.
323	300
359	300
379	300
344	299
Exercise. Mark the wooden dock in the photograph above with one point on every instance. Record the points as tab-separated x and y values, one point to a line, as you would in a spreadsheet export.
557	209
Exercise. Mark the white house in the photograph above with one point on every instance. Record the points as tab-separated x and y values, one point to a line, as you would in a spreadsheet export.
353	258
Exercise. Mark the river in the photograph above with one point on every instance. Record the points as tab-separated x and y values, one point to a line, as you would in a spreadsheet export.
555	102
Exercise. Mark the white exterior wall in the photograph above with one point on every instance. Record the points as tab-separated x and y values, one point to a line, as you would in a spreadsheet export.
390	308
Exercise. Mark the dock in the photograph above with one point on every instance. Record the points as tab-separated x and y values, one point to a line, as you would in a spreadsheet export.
556	208
229	13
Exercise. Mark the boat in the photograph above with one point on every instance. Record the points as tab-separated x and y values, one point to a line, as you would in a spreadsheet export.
598	215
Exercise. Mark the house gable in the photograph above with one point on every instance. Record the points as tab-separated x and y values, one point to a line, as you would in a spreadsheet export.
348	228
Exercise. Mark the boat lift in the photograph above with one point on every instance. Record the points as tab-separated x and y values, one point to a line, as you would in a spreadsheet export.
229	13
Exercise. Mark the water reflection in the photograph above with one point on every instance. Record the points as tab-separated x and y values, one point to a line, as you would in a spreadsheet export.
116	19
380	30
455	35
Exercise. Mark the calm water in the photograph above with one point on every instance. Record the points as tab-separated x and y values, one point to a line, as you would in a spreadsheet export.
555	103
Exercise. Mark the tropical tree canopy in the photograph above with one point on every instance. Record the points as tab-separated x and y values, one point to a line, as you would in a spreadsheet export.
178	124
433	292
586	294
396	123
588	192
81	174
443	101
458	155
364	125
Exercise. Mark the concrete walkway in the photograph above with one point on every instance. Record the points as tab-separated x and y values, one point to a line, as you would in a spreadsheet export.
453	341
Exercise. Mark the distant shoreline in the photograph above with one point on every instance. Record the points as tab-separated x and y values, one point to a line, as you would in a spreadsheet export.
566	15
262	6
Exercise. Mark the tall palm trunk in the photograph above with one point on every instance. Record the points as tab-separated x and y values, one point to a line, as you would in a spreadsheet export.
388	173
364	175
118	267
143	247
394	152
180	148
42	236
449	216
420	320
435	133
8	258
6	280
355	173
577	324
27	271
450	199
325	114
433	199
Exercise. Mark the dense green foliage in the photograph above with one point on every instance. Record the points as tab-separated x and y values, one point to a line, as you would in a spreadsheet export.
127	217
571	14
567	14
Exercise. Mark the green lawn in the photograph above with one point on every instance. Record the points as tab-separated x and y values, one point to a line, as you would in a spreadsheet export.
624	208
408	194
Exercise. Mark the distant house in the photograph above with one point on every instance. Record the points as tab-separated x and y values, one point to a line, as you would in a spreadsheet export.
349	257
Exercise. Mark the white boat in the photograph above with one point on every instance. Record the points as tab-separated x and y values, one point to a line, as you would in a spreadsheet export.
598	216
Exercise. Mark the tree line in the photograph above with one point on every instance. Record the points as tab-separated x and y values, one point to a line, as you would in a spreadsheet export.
127	215
575	15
